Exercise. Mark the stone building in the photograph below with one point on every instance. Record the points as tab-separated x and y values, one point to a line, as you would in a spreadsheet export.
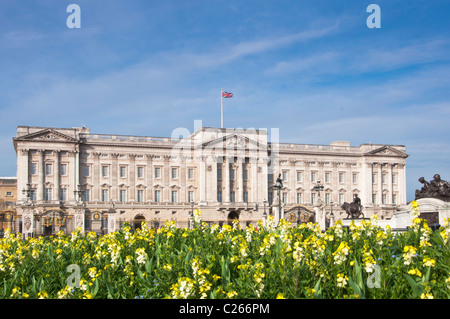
8	197
71	177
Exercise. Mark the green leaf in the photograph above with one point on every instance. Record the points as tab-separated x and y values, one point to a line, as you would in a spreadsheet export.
416	287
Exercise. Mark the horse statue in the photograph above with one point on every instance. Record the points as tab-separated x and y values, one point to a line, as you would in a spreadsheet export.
353	209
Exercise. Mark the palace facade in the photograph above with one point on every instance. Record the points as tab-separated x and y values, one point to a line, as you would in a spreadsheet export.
70	177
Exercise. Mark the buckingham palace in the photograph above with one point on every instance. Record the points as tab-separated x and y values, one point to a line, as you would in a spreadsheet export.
71	177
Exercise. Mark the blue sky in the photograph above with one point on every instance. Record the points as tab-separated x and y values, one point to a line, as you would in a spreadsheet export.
313	69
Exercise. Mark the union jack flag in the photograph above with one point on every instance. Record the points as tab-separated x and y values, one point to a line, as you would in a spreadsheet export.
227	95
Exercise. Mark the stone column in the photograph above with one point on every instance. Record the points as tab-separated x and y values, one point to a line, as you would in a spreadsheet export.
226	180
132	177
79	219
96	178
149	176
40	196
253	194
57	177
27	221
111	222
202	179
239	175
114	177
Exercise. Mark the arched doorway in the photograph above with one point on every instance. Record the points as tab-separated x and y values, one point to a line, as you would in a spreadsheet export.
137	221
231	216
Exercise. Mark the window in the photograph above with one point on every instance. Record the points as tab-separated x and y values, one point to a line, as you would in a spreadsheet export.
105	172
86	171
123	171
219	196
174	196
383	178
285	176
190	196
87	195
232	196
157	195
383	199
157	172
105	195
232	174
123	195
313	198
327	198
48	194
374	178
219	173
245	174
9	194
270	178
191	173
299	177
140	172
327	177
394	179
313	177
341	177
140	195
63	194
174	172
299	198
48	169
245	195
270	198
394	199
341	198
63	170
285	198
33	194
355	178
33	169
374	198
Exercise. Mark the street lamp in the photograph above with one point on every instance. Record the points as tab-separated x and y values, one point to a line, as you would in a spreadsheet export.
264	213
279	186
191	214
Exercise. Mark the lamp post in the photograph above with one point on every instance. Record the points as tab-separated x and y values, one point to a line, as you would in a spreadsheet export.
279	186
264	213
27	192
191	214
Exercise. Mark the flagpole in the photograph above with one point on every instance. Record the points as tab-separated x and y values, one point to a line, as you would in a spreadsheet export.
221	108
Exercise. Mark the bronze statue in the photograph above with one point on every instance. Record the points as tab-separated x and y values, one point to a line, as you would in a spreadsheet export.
436	188
353	209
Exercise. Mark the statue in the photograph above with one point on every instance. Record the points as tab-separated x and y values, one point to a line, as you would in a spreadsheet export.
353	209
436	188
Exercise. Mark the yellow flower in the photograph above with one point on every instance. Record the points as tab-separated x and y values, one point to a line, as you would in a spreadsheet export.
428	262
280	296
415	272
231	294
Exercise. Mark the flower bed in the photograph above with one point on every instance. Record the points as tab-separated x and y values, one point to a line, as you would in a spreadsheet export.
211	262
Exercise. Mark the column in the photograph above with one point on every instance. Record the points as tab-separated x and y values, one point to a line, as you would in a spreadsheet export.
226	180
239	175
149	174
132	174
202	179
57	179
213	185
253	163
23	175
114	178
390	186
96	178
41	176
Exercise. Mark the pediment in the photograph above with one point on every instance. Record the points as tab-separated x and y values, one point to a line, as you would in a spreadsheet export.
234	141
48	135
387	151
